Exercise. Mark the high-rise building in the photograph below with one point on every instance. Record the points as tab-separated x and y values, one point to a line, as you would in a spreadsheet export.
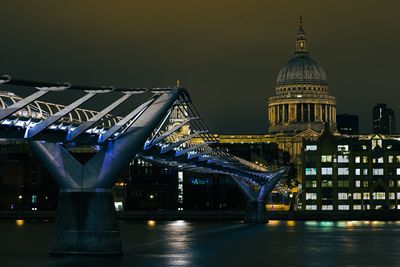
383	119
347	124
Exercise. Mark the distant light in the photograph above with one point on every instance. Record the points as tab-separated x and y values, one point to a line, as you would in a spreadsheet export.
151	223
20	222
151	196
20	196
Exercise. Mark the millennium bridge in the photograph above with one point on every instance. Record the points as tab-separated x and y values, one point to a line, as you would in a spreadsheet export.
162	127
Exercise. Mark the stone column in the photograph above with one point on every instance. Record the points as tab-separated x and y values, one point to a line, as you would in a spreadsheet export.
308	112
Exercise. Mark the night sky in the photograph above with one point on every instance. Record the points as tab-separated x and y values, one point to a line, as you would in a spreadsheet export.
226	52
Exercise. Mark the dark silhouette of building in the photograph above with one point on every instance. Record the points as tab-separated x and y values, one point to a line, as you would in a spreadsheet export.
383	120
347	124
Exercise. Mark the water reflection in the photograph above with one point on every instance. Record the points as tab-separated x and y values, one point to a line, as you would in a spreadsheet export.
179	240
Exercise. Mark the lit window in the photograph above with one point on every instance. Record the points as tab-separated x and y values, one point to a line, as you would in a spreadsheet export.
398	195
343	207
311	171
365	159
326	183
357	196
311	183
398	183
327	207
311	196
378	195
311	148
343	183
364	147
357	207
365	171
365	183
366	195
343	171
343	148
380	160
357	171
390	159
376	142
326	171
377	171
391	183
358	183
398	158
397	171
391	196
326	158
343	158
366	207
342	196
357	159
311	207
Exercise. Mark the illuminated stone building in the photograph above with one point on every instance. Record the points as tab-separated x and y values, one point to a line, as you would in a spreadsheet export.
302	104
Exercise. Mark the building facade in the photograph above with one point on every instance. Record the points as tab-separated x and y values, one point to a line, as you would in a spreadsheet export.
351	173
383	120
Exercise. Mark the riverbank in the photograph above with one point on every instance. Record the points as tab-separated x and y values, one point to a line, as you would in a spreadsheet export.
381	215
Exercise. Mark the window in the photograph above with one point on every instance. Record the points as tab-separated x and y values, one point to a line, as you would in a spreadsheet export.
380	160
397	171
366	195
357	159
357	196
311	171
365	171
326	171
342	196
366	207
357	207
365	183
343	158
364	147
326	183
343	183
327	207
343	207
358	183
377	171
391	183
391	196
398	158
311	196
311	207
311	183
343	148
343	171
365	159
357	172
378	195
398	195
390	159
311	148
326	158
376	142
398	183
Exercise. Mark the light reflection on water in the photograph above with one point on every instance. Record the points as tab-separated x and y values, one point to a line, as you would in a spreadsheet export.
184	243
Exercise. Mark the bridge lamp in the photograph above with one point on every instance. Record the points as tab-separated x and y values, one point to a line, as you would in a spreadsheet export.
151	196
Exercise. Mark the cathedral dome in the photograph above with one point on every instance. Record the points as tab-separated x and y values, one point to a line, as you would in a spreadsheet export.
301	70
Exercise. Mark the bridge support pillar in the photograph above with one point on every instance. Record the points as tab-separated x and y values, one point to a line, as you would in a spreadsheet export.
86	223
256	212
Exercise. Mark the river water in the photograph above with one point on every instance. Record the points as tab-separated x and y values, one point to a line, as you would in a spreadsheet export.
183	243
